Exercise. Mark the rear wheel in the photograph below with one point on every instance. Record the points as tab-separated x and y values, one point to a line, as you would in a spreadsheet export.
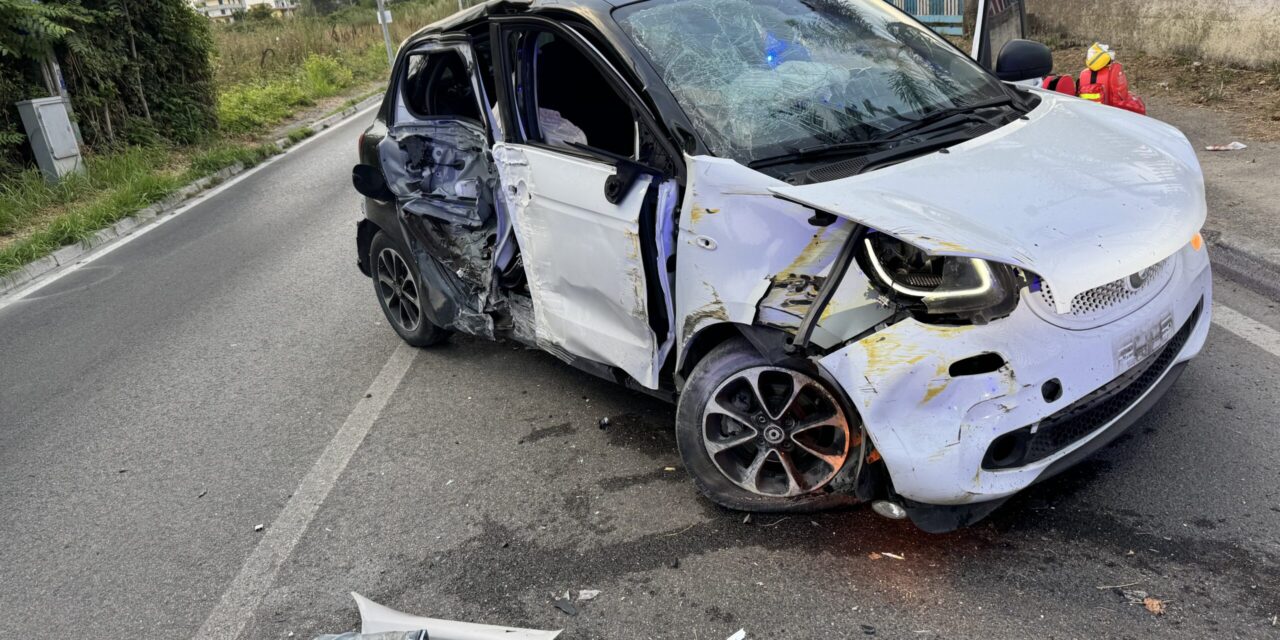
759	436
399	289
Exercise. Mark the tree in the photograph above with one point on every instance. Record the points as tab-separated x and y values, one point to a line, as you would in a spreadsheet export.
28	31
258	12
139	70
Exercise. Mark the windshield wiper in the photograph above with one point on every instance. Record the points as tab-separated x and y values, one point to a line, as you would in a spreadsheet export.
818	150
938	118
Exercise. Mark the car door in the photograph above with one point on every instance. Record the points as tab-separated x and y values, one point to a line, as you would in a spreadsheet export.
435	160
998	22
593	210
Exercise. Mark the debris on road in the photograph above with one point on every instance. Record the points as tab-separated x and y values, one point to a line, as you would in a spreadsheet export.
587	594
740	634
420	634
1137	596
892	555
604	423
258	527
1234	146
565	604
874	556
668	468
377	619
1154	605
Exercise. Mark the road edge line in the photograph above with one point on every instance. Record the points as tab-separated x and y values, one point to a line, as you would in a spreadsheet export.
258	573
1256	333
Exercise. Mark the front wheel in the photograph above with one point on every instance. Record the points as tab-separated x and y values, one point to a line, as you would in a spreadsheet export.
758	436
400	294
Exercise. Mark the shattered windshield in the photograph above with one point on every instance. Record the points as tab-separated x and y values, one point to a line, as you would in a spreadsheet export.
760	78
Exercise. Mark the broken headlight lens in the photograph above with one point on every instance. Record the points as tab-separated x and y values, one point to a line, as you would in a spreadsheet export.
945	288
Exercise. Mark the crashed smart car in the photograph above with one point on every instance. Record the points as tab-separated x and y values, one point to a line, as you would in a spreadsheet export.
868	266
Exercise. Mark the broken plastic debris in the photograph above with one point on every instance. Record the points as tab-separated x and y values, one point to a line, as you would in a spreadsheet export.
420	634
375	618
257	527
587	594
668	468
1234	146
892	555
740	634
565	605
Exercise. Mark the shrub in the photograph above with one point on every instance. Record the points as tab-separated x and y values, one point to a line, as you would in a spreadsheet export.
323	76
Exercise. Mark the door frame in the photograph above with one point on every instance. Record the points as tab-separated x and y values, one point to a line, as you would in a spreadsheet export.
658	285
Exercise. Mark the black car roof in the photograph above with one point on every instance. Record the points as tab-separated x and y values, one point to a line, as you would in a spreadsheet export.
598	9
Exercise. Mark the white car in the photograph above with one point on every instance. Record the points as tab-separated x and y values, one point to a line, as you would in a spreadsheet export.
868	267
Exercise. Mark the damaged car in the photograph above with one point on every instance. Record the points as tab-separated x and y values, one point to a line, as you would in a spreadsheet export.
866	265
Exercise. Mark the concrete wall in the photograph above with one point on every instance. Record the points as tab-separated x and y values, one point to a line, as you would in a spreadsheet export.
1237	32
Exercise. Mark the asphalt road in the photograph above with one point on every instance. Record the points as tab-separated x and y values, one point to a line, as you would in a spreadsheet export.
158	404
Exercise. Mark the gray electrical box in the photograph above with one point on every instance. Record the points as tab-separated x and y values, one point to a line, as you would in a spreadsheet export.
53	141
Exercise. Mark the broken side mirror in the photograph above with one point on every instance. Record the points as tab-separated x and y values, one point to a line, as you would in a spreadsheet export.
368	180
1024	60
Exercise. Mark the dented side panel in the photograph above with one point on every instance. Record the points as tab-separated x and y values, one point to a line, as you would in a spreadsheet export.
747	257
440	173
582	256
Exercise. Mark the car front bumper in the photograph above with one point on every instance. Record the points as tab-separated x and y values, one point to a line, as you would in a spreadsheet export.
935	432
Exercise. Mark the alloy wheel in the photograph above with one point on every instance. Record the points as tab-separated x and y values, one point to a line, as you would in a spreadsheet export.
398	290
776	432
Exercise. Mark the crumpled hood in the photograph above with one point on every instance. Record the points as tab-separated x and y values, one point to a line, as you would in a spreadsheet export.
1080	194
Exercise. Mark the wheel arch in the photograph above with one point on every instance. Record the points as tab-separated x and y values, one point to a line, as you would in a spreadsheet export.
770	342
366	229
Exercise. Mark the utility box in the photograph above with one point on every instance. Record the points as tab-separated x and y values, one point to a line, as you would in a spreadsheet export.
53	141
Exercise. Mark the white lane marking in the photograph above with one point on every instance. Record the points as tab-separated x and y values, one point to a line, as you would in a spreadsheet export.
196	201
1259	334
245	594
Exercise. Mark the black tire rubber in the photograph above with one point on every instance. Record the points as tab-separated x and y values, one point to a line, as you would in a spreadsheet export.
720	364
426	334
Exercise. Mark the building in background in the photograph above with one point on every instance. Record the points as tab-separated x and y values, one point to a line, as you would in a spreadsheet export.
230	10
943	16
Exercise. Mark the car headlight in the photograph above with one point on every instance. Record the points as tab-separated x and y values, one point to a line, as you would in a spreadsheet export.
946	288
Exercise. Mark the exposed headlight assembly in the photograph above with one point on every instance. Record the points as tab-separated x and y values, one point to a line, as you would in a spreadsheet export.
938	288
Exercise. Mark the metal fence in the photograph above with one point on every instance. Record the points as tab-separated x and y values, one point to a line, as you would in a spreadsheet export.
944	16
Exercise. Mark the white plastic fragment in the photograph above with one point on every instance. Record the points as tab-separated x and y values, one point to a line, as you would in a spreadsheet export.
375	618
1234	146
740	634
587	594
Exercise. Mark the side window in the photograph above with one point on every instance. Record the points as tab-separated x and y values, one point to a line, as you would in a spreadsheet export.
562	99
436	85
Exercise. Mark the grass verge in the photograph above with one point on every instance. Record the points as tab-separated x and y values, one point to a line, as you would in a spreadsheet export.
40	218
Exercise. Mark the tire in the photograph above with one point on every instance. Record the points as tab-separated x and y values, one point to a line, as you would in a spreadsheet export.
783	435
398	286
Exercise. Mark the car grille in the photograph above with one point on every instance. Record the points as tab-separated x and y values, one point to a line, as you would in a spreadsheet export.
1110	301
1070	425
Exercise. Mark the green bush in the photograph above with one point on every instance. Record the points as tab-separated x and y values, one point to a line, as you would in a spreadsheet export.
324	76
249	108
